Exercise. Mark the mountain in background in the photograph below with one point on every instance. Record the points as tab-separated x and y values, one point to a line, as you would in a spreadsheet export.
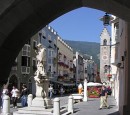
89	48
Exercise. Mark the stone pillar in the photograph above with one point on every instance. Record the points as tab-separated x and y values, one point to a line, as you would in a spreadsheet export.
70	104
85	90
56	107
30	98
6	105
126	107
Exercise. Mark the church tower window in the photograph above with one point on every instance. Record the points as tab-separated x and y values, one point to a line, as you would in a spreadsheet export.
104	42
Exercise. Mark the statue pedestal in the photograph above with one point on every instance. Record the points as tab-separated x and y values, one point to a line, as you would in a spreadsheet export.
38	101
48	101
41	99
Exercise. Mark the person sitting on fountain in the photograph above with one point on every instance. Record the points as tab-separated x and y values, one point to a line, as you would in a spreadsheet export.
40	63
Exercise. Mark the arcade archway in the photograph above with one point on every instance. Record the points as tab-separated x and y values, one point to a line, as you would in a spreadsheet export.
21	19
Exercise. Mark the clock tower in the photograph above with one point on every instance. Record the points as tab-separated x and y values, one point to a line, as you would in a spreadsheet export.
105	55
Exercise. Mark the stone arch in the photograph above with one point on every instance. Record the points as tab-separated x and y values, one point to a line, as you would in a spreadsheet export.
13	80
20	19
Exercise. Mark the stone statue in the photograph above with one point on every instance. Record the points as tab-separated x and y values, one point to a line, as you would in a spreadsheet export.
40	72
42	82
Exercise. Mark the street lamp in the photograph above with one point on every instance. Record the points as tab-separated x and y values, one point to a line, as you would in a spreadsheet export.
106	19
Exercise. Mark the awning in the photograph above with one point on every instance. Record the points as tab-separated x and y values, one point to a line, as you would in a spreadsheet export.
94	84
63	83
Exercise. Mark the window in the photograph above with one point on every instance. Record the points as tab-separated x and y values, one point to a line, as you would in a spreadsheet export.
116	31
34	62
34	44
25	65
25	70
50	60
25	61
50	53
26	50
28	42
43	34
49	39
116	52
49	68
104	42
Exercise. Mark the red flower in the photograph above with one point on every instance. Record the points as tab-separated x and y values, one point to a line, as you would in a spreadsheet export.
109	75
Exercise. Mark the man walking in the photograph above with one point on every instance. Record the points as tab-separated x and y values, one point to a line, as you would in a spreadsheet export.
103	98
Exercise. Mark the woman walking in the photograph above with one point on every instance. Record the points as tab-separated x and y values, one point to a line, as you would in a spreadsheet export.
24	95
15	95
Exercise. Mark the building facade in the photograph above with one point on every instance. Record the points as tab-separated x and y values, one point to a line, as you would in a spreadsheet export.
118	58
65	61
58	60
22	72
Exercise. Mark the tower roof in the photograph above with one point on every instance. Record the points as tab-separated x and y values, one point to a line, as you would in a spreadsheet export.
104	33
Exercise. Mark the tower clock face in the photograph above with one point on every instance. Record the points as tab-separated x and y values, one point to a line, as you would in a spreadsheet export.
104	57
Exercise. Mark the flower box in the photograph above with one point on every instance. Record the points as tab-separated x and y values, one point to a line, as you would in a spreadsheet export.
94	91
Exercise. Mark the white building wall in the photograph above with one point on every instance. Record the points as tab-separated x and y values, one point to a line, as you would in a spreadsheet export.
118	70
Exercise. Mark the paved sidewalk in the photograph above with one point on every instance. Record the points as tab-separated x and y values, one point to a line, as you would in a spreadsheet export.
91	107
87	108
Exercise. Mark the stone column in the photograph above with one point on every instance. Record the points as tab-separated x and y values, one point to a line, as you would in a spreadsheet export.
85	90
70	104
56	107
126	108
6	105
30	98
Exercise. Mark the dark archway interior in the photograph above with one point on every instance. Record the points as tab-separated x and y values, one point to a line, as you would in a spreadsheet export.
21	19
13	82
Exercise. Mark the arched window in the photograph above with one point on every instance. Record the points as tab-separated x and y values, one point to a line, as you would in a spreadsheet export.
104	42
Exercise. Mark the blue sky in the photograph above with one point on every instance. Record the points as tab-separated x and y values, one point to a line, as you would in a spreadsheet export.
81	24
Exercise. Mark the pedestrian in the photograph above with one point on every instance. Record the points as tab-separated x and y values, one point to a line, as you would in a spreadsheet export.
61	91
15	96
103	98
5	91
23	96
51	91
80	88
